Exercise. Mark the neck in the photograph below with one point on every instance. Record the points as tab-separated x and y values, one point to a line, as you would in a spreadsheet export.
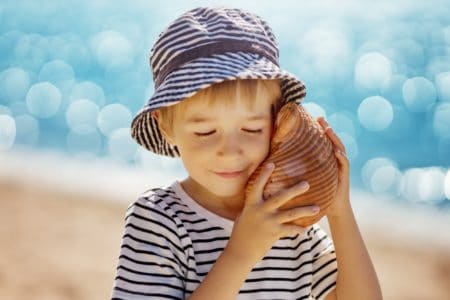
228	207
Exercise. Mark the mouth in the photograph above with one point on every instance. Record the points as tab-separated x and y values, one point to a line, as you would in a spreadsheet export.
230	174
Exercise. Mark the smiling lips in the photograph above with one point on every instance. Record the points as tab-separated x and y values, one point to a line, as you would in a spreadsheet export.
229	174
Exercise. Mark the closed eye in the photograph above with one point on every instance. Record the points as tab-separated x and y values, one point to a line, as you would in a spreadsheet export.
254	131
257	131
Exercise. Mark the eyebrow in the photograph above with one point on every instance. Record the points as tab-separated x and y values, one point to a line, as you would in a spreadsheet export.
196	119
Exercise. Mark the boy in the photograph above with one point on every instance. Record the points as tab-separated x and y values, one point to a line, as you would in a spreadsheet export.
218	88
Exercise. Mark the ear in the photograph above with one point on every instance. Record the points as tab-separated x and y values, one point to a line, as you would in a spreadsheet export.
167	134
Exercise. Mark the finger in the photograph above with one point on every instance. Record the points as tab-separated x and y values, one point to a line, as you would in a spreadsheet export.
292	214
331	134
260	183
321	120
285	195
343	159
335	139
339	153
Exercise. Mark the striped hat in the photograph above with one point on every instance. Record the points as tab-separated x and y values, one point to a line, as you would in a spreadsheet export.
203	46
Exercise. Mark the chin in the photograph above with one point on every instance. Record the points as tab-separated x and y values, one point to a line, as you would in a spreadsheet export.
223	189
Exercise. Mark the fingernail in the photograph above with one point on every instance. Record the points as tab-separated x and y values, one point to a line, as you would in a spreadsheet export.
304	185
270	165
315	209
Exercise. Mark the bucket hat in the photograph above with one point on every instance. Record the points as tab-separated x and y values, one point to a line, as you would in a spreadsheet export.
204	46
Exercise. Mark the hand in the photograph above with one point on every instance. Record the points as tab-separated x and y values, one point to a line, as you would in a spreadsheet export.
261	224
342	197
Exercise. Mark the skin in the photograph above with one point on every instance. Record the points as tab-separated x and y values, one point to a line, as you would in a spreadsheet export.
354	263
257	222
231	146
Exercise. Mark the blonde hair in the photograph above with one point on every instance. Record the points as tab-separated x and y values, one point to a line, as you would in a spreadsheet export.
226	90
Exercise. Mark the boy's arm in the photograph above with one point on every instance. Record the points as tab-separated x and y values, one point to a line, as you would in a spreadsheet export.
257	228
357	278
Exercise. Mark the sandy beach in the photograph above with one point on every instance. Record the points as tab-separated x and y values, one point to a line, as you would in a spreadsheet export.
65	245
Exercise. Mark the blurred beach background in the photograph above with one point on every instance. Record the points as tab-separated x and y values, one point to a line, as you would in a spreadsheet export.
74	73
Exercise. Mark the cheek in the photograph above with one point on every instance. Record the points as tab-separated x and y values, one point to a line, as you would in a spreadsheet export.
194	145
265	143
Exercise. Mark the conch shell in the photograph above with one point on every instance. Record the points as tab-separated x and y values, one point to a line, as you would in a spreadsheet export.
301	151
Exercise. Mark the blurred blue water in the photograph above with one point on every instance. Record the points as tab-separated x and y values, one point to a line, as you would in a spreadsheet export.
73	73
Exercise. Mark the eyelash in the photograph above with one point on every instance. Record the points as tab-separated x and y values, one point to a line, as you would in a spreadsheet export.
258	131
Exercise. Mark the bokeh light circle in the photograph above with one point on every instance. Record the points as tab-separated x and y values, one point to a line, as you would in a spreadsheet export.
59	73
31	51
81	116
7	132
419	94
373	70
447	185
381	175
71	48
121	146
324	49
342	122
375	113
314	110
113	116
443	86
43	100
423	185
350	144
88	90
14	84
112	50
385	179
441	121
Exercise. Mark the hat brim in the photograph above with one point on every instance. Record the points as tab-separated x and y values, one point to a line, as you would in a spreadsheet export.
199	74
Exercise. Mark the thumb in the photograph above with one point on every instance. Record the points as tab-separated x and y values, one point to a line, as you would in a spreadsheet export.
255	195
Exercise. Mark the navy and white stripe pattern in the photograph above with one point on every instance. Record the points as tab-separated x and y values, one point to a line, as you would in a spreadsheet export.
207	41
170	243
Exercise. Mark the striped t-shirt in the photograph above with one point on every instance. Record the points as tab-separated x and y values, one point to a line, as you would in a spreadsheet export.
170	243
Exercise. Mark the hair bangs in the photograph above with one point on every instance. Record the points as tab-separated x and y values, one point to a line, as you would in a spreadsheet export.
226	93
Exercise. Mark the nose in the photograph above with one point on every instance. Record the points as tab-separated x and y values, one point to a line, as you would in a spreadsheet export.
230	145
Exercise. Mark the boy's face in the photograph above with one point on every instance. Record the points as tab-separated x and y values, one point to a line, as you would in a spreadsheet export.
234	143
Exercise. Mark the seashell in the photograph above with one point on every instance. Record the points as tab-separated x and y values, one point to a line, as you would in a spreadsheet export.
301	151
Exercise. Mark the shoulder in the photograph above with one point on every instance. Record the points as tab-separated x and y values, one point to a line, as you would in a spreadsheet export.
157	205
158	198
154	244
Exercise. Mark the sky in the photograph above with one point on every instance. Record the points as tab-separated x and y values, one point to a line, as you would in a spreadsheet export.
74	73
